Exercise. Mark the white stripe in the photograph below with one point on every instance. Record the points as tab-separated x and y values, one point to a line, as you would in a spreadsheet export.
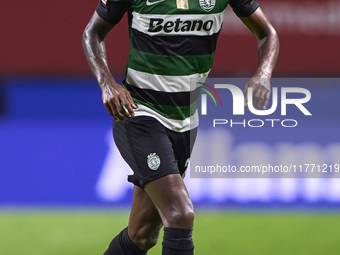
141	22
175	125
165	83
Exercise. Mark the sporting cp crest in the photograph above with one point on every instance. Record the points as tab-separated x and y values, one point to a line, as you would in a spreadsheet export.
207	5
153	161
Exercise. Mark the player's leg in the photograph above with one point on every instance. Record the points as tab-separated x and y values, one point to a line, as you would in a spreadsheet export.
172	201
174	209
150	150
143	230
145	222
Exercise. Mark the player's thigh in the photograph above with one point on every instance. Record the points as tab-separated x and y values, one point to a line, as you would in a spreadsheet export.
171	198
145	222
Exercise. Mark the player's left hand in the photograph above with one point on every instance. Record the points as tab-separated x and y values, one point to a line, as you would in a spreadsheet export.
261	91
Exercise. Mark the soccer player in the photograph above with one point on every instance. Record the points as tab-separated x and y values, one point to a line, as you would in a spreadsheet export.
172	44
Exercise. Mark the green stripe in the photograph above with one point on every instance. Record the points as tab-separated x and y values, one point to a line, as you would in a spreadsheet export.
169	65
172	112
170	7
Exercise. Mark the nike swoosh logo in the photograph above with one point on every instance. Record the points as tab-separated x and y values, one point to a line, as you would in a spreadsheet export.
152	3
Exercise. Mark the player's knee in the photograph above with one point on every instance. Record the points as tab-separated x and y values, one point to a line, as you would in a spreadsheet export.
182	219
145	239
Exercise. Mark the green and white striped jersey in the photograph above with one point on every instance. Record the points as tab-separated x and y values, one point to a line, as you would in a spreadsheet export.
172	46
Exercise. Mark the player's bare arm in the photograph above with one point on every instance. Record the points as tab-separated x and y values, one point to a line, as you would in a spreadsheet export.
113	94
268	49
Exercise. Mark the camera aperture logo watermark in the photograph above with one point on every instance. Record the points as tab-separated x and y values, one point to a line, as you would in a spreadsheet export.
204	97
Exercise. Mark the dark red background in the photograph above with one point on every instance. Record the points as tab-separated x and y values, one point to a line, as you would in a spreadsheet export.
44	38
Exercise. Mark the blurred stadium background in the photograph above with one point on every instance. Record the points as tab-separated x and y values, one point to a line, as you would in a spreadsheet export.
63	187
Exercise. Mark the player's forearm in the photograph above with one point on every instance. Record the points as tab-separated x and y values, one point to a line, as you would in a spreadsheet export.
95	52
268	50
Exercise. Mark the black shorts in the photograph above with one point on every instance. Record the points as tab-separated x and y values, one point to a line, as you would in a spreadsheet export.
152	150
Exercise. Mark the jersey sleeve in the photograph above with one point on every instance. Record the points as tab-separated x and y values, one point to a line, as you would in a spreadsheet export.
112	11
243	8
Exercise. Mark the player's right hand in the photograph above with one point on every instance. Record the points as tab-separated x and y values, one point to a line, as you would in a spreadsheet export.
114	97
